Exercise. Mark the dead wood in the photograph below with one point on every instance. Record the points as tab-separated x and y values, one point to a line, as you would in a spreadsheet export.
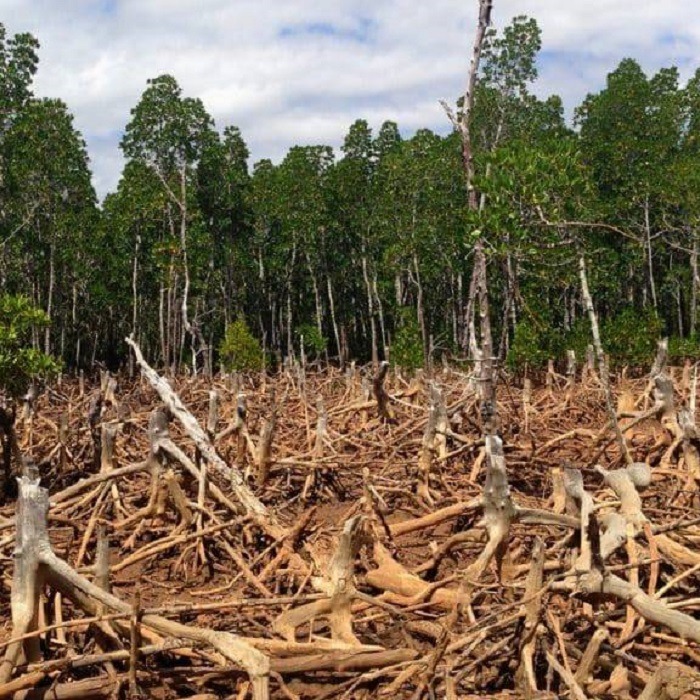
36	554
337	582
382	398
199	560
251	504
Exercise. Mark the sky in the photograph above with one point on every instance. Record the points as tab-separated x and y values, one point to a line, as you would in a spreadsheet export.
296	72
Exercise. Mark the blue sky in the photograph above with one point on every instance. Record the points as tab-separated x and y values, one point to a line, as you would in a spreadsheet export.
293	72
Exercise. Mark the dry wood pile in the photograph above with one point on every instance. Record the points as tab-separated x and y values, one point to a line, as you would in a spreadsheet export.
345	535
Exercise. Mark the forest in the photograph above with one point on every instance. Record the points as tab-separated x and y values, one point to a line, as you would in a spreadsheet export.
358	253
414	420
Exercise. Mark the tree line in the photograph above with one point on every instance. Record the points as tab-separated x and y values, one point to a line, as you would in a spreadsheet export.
367	253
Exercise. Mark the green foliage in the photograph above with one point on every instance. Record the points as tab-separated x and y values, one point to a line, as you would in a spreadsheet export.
530	346
376	233
18	62
19	364
166	130
407	349
240	349
681	349
630	336
314	343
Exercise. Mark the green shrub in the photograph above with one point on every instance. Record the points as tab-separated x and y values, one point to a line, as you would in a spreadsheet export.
20	364
240	349
630	336
529	347
314	342
681	349
407	349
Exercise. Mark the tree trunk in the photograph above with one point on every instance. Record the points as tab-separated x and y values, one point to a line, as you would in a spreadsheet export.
317	300
420	310
334	321
602	362
380	311
290	340
49	299
161	326
74	319
650	262
488	390
370	307
694	286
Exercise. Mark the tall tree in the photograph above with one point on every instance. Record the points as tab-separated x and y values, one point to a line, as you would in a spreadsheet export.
630	133
169	133
224	199
50	192
18	64
479	284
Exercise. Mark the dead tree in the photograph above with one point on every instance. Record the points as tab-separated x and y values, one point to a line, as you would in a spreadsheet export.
35	564
383	408
338	584
478	289
602	362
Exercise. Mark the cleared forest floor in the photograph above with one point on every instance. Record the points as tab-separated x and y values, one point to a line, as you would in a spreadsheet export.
409	622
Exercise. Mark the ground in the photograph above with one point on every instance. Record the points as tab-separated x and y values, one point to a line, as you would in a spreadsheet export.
418	626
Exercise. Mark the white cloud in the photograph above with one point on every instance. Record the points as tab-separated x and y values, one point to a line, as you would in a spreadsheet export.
301	71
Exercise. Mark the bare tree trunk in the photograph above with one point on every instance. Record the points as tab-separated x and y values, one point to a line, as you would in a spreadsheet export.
694	286
274	334
290	343
650	262
380	311
420	311
331	303
161	326
468	339
49	299
602	362
74	319
134	285
135	298
370	307
488	389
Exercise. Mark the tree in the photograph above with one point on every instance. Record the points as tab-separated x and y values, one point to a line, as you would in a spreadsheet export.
19	362
479	285
302	221
18	64
418	215
630	134
169	134
350	204
49	193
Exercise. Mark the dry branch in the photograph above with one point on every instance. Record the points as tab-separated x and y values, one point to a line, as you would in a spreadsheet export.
251	504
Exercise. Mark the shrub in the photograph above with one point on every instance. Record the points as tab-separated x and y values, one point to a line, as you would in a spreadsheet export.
530	346
407	349
681	349
240	349
630	336
314	342
20	364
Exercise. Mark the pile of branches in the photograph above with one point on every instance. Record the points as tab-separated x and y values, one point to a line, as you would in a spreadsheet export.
351	535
